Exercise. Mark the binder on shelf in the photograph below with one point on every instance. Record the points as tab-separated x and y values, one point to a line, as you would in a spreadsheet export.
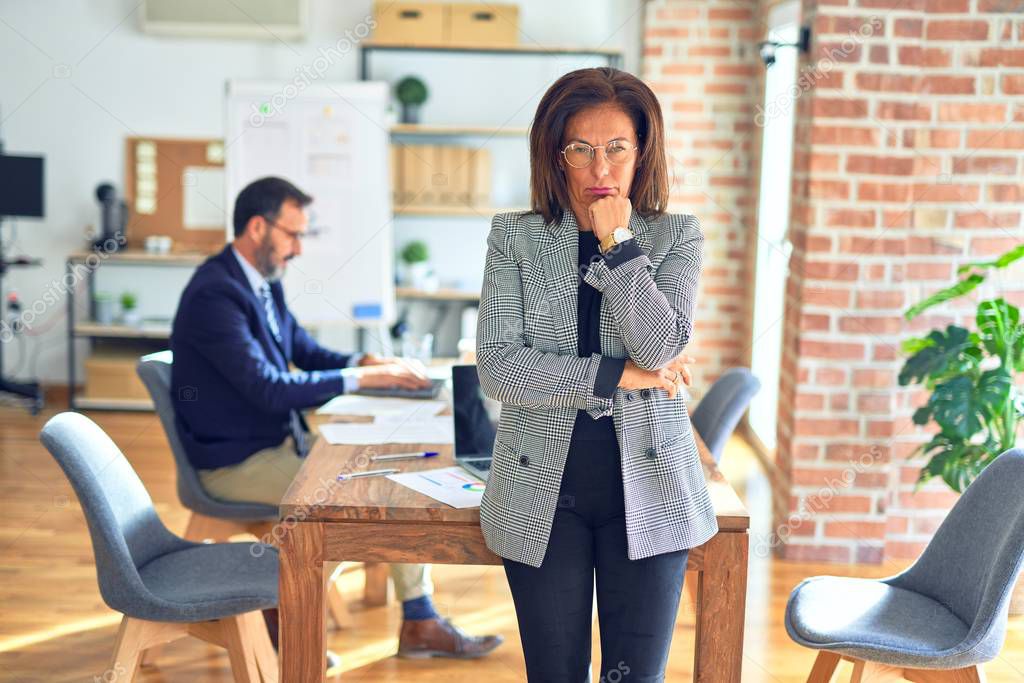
480	178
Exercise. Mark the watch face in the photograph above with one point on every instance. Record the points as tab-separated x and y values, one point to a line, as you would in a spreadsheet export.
621	234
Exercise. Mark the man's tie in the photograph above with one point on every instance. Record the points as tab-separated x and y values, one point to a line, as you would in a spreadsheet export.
268	307
294	420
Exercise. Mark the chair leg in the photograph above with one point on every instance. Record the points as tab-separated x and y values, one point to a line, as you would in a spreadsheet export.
133	638
150	656
824	666
375	593
238	638
690	584
873	672
336	605
971	674
266	657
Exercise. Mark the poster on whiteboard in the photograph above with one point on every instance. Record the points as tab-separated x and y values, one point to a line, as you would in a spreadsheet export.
331	141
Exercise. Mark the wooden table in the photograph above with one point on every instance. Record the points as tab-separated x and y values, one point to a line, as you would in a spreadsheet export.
377	520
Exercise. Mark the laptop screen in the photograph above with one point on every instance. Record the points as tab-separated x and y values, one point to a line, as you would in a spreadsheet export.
475	429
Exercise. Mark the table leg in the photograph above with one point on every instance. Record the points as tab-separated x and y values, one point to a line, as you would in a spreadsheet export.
301	604
721	602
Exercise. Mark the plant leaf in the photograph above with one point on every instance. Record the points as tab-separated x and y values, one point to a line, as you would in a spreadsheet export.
997	323
1004	260
946	354
956	407
968	284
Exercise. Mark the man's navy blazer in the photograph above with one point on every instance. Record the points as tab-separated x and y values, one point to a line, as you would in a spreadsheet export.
232	388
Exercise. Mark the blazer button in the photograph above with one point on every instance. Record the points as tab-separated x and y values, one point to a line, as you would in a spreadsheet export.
524	461
645	393
629	396
652	452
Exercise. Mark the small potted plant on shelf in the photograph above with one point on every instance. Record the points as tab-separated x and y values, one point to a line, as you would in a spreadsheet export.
418	272
129	316
411	92
974	401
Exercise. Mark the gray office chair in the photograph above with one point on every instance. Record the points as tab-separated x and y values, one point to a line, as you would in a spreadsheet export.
208	514
166	587
945	615
717	414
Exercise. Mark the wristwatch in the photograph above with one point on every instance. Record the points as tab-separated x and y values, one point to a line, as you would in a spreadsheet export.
617	236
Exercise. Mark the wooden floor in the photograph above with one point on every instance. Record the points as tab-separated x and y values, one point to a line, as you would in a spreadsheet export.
55	627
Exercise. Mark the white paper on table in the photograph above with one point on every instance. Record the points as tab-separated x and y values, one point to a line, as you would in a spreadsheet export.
383	409
451	485
433	430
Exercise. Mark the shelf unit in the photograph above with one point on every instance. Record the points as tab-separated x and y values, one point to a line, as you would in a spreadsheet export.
97	332
434	130
442	294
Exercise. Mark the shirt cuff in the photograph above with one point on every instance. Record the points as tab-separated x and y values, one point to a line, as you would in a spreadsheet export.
354	358
609	372
622	252
350	380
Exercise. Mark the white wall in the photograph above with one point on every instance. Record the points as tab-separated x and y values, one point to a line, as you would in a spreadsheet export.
77	77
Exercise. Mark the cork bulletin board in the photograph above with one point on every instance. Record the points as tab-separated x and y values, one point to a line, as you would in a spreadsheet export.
175	187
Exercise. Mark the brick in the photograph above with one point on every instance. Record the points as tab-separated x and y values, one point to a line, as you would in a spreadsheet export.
933	57
946	192
929	271
816	553
1004	193
883	192
862	246
879	54
861	324
1012	84
848	136
986	219
839	504
978	165
956	29
1001	56
904	550
863	163
949	85
830	376
880	299
831	350
828	189
805	401
852	529
841	108
888	82
972	112
730	14
870	378
997	139
850	218
875	403
947	6
908	28
831	270
903	111
928	500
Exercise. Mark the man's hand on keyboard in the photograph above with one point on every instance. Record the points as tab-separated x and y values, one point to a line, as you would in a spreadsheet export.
383	373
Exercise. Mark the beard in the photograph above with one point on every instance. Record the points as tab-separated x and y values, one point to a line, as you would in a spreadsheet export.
265	261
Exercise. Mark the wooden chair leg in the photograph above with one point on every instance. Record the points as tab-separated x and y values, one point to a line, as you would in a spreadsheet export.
690	585
375	593
238	638
150	656
824	666
134	637
873	672
266	657
336	604
971	674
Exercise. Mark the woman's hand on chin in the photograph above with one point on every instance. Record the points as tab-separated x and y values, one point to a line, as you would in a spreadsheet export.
608	213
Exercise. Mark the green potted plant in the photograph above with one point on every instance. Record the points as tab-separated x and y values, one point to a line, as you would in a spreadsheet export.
129	316
974	399
415	257
103	308
411	92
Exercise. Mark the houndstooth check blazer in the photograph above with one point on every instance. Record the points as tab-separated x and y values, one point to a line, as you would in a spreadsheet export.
527	359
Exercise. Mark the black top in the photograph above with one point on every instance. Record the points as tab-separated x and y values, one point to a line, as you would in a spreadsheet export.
589	327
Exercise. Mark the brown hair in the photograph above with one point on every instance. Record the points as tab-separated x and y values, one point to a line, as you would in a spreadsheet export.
583	89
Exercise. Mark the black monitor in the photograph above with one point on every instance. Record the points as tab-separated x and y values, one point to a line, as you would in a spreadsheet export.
474	429
21	186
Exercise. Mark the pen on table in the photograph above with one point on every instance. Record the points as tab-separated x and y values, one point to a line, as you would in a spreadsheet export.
405	456
368	473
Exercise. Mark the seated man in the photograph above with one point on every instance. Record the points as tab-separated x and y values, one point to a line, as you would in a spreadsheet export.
237	403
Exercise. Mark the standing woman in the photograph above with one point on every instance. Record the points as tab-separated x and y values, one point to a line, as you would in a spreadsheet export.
587	305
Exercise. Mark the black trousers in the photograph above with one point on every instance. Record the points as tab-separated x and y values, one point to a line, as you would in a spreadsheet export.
637	600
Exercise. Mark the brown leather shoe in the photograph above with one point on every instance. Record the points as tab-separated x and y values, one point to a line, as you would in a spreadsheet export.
423	638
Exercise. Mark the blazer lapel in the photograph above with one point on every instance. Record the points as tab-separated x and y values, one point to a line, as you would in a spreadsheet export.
560	258
273	349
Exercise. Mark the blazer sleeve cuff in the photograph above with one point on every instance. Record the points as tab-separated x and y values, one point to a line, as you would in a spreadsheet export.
609	372
621	253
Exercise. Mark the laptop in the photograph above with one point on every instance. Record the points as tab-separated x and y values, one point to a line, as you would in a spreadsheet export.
400	392
475	430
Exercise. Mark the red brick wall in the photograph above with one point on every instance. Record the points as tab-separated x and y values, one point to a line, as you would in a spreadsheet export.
701	60
908	163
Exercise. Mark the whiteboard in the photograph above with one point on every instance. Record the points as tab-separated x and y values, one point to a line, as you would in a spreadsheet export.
331	140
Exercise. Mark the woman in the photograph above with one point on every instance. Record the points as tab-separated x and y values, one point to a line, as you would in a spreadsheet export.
586	306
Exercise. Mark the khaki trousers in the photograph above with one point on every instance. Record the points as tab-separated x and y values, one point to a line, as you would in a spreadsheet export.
264	477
